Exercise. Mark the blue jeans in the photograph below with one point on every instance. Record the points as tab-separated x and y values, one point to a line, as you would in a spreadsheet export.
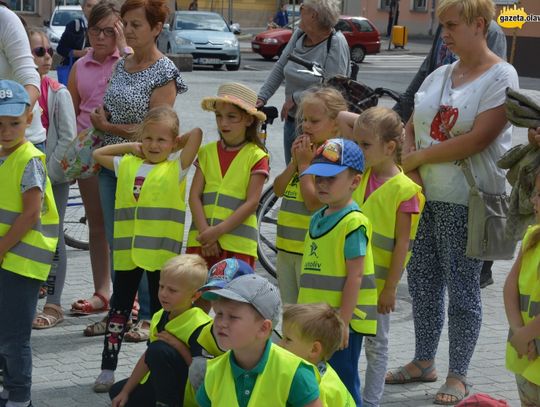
107	193
345	363
40	146
18	300
289	134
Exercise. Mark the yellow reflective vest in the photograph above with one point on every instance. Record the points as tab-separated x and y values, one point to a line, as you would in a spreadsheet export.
148	231
182	327
333	392
33	255
222	195
271	387
381	208
324	272
293	219
529	301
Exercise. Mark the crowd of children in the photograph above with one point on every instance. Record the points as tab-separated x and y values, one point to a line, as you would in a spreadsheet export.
345	231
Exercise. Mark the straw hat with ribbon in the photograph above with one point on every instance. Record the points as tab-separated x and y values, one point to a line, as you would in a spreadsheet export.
237	94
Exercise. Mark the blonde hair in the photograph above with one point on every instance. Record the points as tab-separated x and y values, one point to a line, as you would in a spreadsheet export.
385	123
470	10
330	98
163	115
328	11
316	322
191	268
38	31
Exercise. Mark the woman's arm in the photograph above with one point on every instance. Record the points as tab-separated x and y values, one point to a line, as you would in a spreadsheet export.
349	296
345	121
387	299
105	155
212	233
139	371
189	143
74	90
486	128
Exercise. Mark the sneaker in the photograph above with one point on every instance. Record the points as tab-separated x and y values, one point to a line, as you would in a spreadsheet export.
104	381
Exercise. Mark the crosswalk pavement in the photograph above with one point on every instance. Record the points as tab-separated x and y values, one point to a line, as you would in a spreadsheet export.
391	63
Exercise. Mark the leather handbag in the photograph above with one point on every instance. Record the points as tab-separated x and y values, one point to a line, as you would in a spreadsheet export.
486	224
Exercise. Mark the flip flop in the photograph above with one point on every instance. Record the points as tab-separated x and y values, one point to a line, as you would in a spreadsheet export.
49	320
85	307
446	390
402	376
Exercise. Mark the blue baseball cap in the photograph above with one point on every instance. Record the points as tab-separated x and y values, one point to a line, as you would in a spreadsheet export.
335	156
224	271
13	99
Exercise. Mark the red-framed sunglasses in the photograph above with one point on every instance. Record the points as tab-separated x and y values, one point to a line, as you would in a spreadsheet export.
40	51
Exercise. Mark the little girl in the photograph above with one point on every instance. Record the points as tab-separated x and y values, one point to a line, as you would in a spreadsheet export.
58	119
149	217
318	113
228	180
522	304
393	203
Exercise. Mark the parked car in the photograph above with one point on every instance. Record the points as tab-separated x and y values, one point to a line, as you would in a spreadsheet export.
204	35
362	37
59	19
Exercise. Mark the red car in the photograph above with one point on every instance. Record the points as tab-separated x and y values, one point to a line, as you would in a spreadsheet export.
361	34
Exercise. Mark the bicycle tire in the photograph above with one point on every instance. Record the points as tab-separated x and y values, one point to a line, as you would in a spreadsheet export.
75	222
267	211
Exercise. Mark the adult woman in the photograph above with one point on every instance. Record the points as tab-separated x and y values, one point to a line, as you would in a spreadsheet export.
87	84
140	81
315	40
459	114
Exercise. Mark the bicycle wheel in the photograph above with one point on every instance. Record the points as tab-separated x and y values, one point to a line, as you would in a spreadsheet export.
75	224
267	211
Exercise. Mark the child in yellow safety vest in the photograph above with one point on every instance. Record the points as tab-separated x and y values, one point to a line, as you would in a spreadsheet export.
522	304
314	332
178	333
148	217
318	112
393	203
254	372
28	239
337	265
228	181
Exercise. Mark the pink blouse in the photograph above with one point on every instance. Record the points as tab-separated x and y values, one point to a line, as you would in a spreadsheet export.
92	80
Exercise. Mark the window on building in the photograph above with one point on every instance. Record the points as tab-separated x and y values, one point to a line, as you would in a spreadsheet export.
25	6
419	5
385	4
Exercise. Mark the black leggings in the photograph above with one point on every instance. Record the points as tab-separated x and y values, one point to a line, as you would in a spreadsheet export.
125	288
166	383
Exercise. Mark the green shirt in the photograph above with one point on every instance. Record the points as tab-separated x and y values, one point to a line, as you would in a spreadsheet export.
304	388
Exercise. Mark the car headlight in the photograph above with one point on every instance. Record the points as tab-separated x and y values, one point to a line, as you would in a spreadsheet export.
269	41
54	38
182	41
231	43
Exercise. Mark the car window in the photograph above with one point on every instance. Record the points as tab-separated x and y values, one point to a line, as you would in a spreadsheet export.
62	17
362	25
207	22
343	26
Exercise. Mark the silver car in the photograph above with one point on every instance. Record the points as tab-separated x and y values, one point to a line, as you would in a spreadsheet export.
204	35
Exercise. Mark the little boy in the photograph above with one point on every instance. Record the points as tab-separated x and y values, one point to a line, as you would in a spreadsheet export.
177	333
28	238
253	371
337	265
314	332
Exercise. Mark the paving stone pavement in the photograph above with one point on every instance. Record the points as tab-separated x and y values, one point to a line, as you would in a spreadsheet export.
66	363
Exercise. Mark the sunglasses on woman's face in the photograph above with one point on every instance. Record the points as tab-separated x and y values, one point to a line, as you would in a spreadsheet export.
41	51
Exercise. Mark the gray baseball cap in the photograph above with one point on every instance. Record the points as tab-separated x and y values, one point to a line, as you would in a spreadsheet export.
251	289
